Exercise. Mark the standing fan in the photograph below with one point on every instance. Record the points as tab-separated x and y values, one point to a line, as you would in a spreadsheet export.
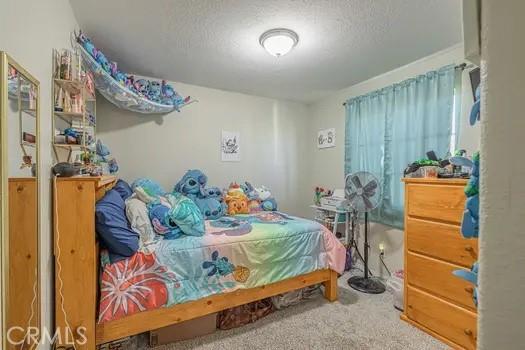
364	199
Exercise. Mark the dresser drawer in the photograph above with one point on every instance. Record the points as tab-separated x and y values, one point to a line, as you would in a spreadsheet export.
441	317
436	277
441	241
439	202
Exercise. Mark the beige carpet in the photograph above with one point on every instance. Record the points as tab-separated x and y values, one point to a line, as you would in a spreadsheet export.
356	321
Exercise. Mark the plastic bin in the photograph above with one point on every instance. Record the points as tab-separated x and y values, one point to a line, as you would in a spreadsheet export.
395	286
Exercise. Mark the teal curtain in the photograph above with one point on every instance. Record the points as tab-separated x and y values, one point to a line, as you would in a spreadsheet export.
392	127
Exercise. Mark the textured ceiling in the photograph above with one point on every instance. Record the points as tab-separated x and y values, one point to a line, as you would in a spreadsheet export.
214	43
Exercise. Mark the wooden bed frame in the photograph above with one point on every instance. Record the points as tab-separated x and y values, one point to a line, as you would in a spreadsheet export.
74	221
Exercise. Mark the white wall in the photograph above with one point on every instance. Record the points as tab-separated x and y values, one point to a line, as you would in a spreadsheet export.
502	237
273	140
29	30
327	165
278	142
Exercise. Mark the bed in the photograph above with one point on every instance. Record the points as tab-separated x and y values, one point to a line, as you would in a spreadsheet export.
171	281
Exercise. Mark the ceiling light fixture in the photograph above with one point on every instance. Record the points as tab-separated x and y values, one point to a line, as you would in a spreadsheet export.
278	42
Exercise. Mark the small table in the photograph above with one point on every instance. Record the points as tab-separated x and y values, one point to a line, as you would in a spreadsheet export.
337	214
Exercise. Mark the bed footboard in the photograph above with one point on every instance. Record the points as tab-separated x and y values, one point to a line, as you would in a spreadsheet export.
330	286
149	320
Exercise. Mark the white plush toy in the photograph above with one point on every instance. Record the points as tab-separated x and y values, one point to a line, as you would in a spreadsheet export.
268	203
263	193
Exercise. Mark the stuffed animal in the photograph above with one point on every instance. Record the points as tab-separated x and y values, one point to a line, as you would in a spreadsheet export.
87	45
192	184
102	150
167	90
236	200
103	61
170	97
130	83
254	202
101	156
118	75
142	87
113	166
210	207
209	200
214	192
174	214
154	91
160	220
472	277
268	203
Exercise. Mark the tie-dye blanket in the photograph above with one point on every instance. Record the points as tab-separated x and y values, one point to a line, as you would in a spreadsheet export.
236	252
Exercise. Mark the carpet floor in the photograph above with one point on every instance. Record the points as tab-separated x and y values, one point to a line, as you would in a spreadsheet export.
356	321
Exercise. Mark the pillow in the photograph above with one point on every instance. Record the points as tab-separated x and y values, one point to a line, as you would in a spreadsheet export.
147	190
138	217
123	189
112	226
186	214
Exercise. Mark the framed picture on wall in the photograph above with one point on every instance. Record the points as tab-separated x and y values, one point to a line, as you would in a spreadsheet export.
326	138
230	146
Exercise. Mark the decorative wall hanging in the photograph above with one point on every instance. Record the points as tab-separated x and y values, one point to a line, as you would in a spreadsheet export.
326	138
230	146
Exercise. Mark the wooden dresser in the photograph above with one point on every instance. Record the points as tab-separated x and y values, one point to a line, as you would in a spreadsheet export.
435	300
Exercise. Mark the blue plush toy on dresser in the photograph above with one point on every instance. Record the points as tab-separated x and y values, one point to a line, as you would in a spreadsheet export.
470	222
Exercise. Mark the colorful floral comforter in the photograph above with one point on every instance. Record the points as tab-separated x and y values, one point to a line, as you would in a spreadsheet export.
236	252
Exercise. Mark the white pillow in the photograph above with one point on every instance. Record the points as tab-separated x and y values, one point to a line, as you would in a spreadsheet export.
138	217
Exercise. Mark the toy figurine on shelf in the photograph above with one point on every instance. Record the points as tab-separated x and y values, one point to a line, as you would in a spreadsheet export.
319	193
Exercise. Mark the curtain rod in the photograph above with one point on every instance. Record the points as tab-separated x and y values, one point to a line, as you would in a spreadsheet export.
461	66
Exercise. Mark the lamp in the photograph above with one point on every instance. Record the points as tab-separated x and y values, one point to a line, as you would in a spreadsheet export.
278	42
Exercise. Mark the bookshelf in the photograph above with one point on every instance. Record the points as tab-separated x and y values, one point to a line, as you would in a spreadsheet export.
74	106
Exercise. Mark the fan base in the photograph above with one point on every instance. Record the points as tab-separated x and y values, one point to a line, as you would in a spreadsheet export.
366	285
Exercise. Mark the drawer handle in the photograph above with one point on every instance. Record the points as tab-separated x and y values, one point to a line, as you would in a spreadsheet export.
19	188
468	332
469	248
469	289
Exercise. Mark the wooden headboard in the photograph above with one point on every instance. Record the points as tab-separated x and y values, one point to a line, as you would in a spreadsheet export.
76	253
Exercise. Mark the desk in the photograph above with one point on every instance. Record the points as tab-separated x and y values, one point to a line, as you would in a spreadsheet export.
337	213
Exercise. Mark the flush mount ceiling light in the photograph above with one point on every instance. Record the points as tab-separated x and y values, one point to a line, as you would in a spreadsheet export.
278	42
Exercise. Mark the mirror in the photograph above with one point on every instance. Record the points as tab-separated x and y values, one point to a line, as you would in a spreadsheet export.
19	106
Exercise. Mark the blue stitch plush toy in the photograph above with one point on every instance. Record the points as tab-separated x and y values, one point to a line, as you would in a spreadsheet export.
102	156
163	224
117	74
192	184
142	87
103	61
154	91
210	207
209	200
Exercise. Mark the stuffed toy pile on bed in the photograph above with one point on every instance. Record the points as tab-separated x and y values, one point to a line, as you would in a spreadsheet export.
183	211
153	90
